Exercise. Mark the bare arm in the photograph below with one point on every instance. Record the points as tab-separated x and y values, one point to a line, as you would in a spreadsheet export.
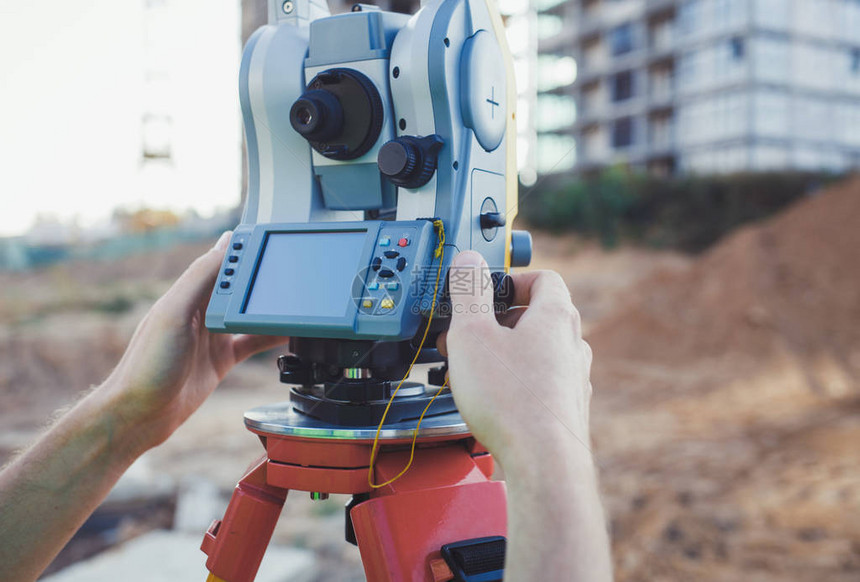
171	365
524	390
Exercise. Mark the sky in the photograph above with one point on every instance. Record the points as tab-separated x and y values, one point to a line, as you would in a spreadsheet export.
76	79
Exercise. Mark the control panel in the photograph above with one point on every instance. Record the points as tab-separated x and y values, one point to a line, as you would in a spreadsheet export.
227	275
390	275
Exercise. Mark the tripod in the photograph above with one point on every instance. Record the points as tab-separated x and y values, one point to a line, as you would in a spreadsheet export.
442	520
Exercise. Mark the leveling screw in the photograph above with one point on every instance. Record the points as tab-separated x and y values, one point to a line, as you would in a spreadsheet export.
288	7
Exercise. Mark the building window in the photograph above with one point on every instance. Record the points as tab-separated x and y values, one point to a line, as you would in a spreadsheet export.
622	133
554	112
737	48
621	39
622	86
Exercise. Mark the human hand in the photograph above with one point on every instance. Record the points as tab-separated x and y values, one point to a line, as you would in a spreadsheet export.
173	362
521	382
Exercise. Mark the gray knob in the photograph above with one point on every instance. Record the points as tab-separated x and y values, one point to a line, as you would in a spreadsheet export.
521	248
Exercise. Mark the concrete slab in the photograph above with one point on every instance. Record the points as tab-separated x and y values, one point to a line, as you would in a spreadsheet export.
166	556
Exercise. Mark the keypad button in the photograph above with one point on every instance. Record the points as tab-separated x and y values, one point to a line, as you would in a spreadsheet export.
403	242
237	246
376	263
401	263
373	286
367	303
386	273
387	303
229	272
392	286
225	284
233	258
391	254
384	241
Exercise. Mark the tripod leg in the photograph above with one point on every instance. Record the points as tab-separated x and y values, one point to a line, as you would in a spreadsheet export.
444	498
236	544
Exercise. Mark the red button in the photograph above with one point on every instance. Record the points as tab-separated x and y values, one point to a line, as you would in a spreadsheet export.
403	242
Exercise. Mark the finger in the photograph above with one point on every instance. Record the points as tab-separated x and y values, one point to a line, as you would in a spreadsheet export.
589	354
442	344
194	286
245	346
539	285
548	300
510	317
471	289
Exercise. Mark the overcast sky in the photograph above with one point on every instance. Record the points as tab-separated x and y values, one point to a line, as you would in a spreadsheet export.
73	92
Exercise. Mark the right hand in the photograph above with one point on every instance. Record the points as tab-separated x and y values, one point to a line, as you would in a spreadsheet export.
521	382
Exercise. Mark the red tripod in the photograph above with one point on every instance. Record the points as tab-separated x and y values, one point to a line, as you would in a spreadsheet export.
400	529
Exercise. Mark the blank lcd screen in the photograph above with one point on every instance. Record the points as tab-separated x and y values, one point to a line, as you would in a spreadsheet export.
307	274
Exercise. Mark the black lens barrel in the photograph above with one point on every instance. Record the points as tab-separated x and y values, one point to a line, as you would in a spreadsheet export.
317	115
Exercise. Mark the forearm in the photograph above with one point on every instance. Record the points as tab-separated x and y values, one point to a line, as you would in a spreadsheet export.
556	524
48	492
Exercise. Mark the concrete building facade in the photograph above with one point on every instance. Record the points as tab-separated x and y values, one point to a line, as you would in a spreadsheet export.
707	86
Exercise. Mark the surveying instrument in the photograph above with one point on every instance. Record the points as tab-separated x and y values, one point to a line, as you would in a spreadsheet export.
379	145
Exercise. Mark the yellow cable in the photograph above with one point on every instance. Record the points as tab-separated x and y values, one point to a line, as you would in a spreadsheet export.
439	254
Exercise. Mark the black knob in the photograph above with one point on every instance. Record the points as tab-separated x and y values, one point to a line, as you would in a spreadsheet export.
503	291
492	220
295	371
317	115
409	161
436	376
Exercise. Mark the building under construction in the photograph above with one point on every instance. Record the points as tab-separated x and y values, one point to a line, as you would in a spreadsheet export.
706	86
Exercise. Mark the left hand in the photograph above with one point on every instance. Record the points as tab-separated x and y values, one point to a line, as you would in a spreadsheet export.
173	362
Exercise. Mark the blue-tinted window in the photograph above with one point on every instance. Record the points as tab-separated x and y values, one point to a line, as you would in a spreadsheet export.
737	47
622	86
622	133
621	39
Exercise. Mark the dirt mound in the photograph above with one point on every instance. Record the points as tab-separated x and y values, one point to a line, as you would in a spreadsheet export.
791	283
727	406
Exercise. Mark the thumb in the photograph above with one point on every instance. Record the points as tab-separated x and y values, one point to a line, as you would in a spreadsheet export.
471	289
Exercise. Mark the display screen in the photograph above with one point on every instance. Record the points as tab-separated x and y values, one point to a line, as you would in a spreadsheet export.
306	274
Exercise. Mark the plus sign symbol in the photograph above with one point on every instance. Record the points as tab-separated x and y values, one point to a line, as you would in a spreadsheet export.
492	101
484	81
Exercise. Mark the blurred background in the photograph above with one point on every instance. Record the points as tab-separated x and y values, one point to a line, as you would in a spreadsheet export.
686	165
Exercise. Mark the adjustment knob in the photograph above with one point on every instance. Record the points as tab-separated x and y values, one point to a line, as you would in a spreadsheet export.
295	371
409	161
503	291
492	220
398	158
521	248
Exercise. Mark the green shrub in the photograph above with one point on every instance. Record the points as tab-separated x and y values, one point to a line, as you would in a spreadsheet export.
687	213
